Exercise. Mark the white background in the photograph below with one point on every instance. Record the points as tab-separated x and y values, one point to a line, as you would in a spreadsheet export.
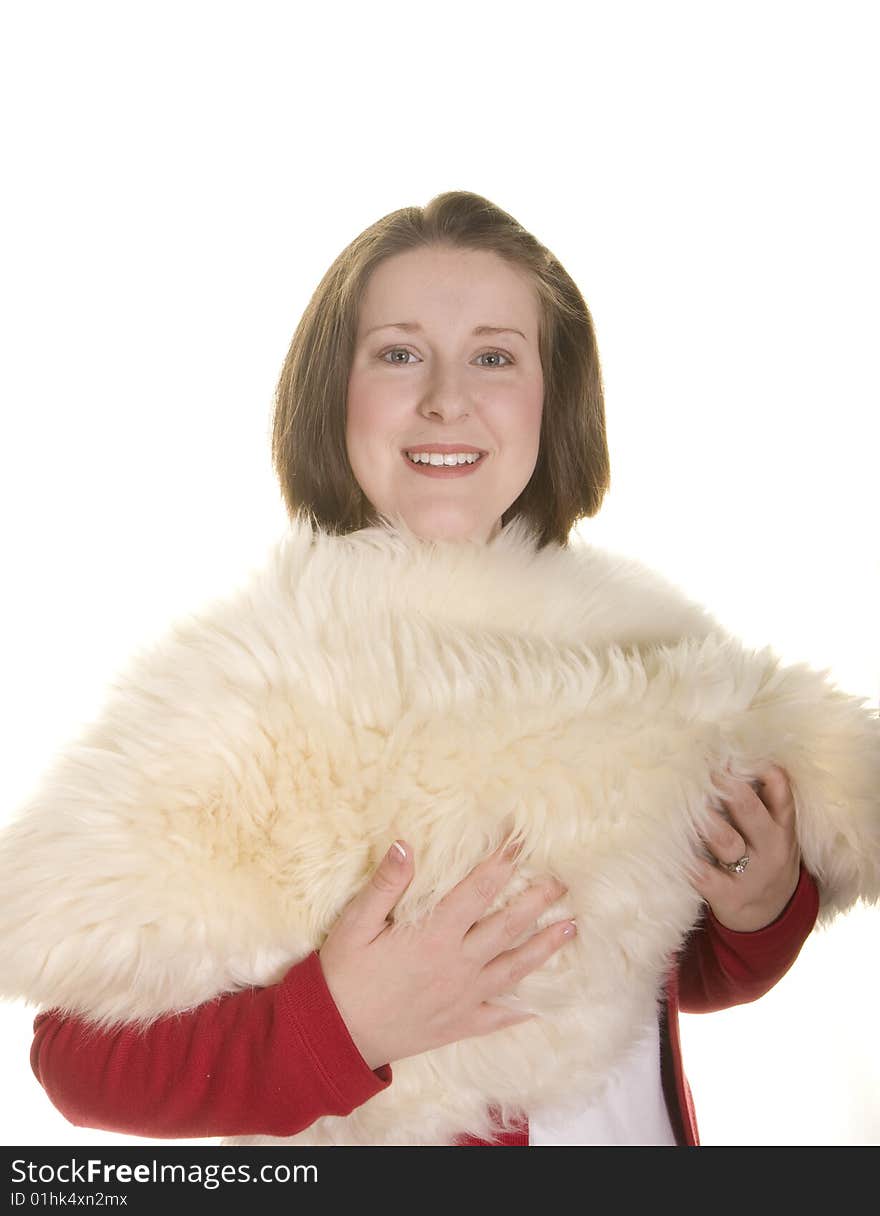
179	176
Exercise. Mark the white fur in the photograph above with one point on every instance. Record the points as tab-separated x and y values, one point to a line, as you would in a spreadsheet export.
247	774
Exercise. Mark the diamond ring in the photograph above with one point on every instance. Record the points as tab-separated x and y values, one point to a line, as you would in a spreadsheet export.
737	867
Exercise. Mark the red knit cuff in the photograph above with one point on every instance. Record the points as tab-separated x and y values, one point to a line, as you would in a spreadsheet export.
307	1001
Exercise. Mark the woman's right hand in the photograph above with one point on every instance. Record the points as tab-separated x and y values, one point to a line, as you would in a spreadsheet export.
405	989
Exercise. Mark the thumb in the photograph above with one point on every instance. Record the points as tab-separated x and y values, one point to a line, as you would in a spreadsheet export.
365	916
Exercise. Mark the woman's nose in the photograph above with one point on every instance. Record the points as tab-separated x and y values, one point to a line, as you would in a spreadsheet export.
446	399
446	410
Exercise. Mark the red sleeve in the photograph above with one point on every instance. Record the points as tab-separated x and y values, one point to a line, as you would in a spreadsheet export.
264	1061
719	967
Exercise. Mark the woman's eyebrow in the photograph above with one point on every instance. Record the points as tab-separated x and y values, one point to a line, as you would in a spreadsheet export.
413	326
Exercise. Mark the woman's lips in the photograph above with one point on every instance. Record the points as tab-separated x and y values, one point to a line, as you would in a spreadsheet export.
443	471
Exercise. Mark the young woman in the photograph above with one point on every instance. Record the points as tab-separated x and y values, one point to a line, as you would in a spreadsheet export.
444	377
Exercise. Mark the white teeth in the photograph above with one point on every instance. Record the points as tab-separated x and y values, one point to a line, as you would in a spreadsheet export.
439	458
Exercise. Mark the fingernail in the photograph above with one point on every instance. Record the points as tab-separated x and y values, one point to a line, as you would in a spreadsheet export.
569	929
513	850
397	853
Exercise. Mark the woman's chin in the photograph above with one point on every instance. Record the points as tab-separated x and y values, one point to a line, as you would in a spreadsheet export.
452	530
430	523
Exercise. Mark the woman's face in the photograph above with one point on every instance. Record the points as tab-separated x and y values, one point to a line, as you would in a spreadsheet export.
422	377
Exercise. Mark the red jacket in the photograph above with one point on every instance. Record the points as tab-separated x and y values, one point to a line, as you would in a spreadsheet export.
270	1061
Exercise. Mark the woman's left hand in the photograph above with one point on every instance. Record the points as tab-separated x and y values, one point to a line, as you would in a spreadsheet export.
762	830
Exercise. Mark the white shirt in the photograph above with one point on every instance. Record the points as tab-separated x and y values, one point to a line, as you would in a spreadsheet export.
630	1110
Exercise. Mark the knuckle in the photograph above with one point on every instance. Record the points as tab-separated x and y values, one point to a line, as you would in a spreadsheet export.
431	940
786	812
726	838
777	786
485	889
752	805
716	827
518	970
781	853
551	892
383	882
775	775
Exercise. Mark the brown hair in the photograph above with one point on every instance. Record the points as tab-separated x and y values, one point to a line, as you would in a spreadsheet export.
572	472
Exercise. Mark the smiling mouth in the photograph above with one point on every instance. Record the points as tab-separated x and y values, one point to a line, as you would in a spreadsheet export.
438	468
439	460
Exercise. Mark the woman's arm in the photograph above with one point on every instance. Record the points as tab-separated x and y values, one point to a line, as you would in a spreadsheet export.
756	917
719	967
264	1061
270	1061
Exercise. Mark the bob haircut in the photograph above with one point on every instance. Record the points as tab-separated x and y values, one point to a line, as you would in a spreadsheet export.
309	454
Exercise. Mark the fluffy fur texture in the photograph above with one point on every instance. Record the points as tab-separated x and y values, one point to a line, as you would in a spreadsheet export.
248	772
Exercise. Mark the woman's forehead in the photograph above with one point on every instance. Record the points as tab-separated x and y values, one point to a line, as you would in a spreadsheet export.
416	290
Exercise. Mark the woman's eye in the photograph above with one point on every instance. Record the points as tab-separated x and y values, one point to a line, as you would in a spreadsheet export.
401	350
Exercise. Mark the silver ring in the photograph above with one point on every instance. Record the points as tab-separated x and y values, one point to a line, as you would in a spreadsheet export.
737	867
